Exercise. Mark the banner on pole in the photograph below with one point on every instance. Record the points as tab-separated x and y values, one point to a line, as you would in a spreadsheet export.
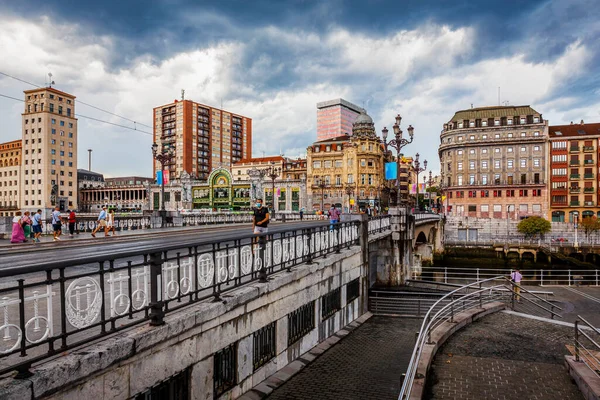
159	177
166	176
391	170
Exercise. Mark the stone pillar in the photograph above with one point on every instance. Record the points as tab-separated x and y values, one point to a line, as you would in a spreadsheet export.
403	225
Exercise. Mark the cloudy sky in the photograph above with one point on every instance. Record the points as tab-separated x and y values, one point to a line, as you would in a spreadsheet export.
274	60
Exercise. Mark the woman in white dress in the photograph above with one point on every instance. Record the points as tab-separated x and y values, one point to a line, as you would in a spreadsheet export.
110	223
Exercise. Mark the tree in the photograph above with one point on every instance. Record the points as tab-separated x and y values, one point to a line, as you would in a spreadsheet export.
533	226
590	225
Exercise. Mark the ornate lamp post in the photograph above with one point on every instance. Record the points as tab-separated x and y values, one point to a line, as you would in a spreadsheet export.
418	170
322	185
397	143
430	184
272	172
349	191
164	157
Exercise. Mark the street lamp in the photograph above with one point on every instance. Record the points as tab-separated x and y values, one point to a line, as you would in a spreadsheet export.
322	185
349	191
397	143
418	170
164	157
272	172
430	184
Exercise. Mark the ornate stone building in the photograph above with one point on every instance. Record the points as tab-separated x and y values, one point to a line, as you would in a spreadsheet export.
346	170
493	162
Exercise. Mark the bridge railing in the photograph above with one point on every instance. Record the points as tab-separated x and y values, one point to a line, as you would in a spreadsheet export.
541	277
471	296
379	223
587	347
50	307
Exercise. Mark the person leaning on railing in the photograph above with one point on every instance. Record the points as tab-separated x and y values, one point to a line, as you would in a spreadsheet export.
516	278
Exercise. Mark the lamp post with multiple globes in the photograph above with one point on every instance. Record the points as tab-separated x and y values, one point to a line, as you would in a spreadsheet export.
398	142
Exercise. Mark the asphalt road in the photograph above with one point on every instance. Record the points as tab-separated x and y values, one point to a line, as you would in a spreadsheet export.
26	254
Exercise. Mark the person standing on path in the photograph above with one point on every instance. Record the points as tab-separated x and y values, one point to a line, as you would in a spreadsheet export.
516	278
72	221
26	222
110	222
260	220
334	216
56	223
101	222
17	235
36	225
301	214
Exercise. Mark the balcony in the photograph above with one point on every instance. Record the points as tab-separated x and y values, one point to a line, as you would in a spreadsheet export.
588	190
588	149
574	162
574	149
588	162
588	203
575	190
574	176
574	203
588	176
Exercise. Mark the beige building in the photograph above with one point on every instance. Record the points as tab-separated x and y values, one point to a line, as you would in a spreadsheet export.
494	162
10	171
346	170
204	138
239	170
49	168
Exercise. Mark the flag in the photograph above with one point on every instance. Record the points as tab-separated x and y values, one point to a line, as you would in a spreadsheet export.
391	170
159	177
166	176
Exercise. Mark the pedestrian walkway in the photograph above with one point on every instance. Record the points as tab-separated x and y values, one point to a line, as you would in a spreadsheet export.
503	356
367	364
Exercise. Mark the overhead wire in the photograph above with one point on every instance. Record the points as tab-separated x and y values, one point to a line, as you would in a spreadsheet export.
87	117
80	102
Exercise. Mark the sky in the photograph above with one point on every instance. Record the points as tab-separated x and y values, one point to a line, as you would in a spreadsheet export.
273	61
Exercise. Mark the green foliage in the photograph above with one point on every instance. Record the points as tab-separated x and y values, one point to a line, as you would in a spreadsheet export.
589	225
533	226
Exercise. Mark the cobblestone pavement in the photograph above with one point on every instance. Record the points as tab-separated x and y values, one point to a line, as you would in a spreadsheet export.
504	357
367	364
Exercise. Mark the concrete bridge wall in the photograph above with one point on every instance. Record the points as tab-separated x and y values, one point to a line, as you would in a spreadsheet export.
129	363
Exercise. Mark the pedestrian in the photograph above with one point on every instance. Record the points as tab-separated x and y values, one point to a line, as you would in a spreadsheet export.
260	219
56	223
334	216
110	222
101	223
37	226
26	223
516	278
301	214
72	221
369	211
17	236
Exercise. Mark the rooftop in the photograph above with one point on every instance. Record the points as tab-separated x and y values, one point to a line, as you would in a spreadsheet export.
50	89
493	112
337	139
580	129
340	102
261	159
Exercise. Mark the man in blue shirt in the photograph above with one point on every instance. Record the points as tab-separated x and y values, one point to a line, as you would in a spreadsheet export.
36	225
101	222
56	223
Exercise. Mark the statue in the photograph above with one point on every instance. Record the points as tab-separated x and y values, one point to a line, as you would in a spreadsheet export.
256	177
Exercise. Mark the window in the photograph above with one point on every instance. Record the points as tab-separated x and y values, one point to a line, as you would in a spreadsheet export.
472	137
510	193
459	180
483	151
536	162
510	134
327	164
484	180
509	163
523	193
523	208
523	163
459	152
459	166
509	150
497	122
53	121
484	164
484	123
471	179
536	133
497	164
471	165
523	134
536	148
316	164
472	194
497	193
496	150
485	193
472	151
497	136
363	162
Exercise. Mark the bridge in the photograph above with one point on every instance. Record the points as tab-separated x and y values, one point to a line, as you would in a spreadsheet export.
199	313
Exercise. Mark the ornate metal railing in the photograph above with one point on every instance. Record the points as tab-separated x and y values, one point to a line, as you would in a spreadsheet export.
50	307
379	224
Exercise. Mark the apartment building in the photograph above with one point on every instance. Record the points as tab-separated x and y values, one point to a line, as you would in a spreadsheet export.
493	162
203	138
49	154
574	166
346	170
335	118
239	170
10	171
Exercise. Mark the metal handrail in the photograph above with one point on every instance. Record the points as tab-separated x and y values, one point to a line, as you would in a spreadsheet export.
536	296
582	353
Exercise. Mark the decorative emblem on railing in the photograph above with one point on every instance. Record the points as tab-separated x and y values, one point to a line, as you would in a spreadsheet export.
206	270
83	300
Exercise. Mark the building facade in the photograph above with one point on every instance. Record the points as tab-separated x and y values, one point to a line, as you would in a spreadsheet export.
494	162
574	167
203	138
10	177
346	170
89	179
239	170
125	194
335	118
49	168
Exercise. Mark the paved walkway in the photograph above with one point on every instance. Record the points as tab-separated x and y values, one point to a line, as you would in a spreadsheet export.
504	357
367	364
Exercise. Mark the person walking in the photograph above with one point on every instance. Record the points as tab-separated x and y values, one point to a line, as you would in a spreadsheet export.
17	235
260	219
101	224
516	278
301	214
72	221
56	223
110	222
334	216
37	226
26	223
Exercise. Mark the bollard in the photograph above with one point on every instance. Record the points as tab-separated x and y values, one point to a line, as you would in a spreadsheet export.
576	340
156	304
